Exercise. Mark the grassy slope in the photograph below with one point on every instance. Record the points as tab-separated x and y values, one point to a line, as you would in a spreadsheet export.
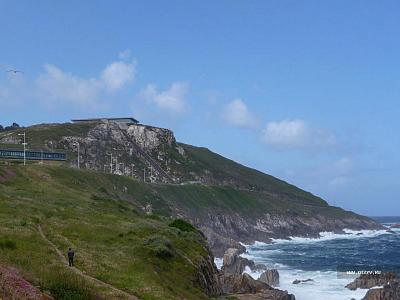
37	135
252	179
109	235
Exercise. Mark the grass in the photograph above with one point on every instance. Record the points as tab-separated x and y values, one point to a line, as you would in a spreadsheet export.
113	239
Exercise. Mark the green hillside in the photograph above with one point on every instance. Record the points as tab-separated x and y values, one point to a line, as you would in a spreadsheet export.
114	240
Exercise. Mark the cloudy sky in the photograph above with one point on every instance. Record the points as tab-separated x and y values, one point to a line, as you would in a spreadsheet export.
308	91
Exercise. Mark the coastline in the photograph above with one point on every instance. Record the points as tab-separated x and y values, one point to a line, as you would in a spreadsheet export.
325	283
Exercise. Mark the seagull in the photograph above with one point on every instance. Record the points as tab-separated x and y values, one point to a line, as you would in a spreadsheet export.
14	71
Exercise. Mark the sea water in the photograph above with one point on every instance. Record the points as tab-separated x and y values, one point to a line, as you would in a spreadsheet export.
329	261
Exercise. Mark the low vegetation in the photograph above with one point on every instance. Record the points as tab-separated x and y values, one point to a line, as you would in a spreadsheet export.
113	239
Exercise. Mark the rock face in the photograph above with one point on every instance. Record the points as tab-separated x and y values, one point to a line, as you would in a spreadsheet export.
390	291
242	285
245	287
208	277
368	281
267	295
234	264
270	277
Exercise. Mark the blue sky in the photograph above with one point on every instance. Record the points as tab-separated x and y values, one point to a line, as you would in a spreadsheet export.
307	91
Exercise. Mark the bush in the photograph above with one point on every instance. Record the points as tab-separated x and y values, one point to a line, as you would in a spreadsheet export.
8	244
183	225
64	285
160	246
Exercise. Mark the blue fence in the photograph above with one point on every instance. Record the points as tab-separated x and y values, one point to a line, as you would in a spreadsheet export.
32	155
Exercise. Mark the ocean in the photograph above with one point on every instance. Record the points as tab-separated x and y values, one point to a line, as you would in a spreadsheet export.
329	260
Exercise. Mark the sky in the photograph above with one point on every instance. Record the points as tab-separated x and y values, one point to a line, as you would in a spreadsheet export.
307	91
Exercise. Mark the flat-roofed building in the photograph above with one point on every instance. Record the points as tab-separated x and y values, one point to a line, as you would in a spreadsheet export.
125	121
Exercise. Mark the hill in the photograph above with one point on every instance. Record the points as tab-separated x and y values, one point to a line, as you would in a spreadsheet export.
126	251
229	202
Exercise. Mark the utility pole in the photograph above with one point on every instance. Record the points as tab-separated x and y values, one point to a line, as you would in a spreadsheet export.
41	157
151	174
24	143
132	165
111	162
77	143
144	174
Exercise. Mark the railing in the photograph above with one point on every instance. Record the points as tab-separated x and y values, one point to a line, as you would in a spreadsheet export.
32	155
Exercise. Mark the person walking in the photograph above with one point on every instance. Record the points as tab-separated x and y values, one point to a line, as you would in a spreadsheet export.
71	255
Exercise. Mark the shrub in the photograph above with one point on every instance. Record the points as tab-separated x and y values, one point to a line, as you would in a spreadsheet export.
8	244
183	225
160	246
65	285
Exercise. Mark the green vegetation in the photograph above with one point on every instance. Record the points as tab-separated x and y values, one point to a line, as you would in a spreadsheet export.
38	135
113	239
183	225
64	285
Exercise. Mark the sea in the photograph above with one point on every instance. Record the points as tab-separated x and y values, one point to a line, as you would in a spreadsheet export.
331	261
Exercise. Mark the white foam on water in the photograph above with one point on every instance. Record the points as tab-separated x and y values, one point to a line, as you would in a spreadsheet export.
327	236
326	284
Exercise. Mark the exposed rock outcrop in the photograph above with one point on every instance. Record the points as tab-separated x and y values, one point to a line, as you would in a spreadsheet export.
242	284
267	295
245	287
367	281
270	277
234	281
390	291
207	277
233	264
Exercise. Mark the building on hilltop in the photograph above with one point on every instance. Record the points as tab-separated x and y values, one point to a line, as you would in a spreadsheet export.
124	121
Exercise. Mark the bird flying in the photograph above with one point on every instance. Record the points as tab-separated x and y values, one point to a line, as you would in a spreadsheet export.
14	71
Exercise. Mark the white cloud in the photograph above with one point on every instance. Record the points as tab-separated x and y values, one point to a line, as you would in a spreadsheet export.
296	134
117	74
55	86
236	113
171	100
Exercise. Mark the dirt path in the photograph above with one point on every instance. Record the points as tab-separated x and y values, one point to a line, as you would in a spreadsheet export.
77	271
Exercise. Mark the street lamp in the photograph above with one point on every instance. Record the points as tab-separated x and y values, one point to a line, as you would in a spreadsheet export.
24	143
77	144
111	164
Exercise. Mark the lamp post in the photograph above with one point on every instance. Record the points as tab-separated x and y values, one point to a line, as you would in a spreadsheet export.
111	167
24	143
77	144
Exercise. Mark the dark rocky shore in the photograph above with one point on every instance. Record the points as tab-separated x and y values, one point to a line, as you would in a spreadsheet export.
383	286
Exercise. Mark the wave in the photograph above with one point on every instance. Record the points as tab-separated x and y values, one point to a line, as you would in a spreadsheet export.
327	236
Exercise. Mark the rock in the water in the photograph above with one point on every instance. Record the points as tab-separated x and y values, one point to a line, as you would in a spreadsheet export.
234	264
390	291
367	281
297	281
395	225
270	277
